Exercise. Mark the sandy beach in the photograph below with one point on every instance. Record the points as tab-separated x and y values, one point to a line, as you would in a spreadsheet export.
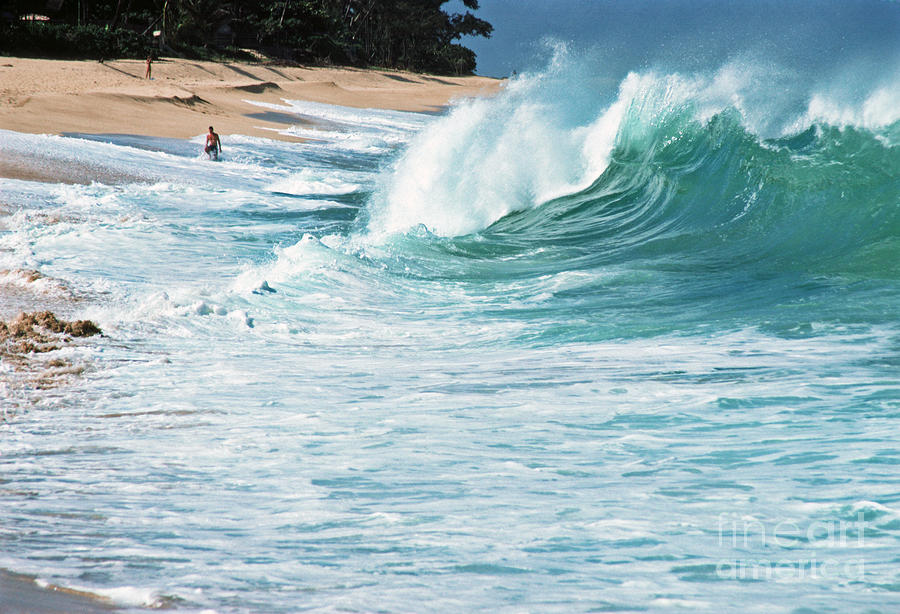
20	594
184	97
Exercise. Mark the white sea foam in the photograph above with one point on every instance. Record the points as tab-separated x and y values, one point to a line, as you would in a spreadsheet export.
351	116
550	134
313	181
284	414
877	110
532	143
369	131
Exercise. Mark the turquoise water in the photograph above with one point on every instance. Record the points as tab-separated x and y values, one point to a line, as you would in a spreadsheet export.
628	347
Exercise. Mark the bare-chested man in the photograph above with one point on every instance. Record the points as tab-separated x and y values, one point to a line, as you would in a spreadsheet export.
213	145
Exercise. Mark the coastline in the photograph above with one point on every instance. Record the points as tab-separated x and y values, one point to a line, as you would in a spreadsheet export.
181	101
185	96
21	594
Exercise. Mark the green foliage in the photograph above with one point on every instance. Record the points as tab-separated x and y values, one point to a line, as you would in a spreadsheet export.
65	41
410	34
413	34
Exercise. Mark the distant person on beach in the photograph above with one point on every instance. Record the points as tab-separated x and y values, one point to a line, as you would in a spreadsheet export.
213	145
149	61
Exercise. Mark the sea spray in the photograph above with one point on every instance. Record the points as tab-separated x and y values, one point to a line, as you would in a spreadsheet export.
550	134
672	338
488	158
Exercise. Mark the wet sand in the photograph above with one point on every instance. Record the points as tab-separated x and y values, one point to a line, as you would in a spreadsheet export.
20	594
35	166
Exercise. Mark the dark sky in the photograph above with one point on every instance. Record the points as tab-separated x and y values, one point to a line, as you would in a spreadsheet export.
689	34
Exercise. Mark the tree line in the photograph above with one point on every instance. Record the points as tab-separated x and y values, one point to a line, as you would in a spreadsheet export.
410	34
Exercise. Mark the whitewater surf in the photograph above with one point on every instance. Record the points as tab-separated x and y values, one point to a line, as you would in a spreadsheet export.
572	348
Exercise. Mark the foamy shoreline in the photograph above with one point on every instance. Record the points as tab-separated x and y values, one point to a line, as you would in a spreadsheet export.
182	99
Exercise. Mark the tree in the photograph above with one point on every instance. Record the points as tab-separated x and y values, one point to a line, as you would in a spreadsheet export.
414	34
411	34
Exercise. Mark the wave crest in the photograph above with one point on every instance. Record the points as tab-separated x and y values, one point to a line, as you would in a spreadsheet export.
555	134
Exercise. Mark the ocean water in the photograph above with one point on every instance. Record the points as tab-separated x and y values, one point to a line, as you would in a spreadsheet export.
584	346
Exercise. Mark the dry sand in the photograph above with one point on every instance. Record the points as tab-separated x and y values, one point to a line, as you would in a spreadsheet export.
184	97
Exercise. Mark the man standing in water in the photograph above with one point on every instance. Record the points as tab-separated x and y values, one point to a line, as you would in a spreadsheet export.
213	145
